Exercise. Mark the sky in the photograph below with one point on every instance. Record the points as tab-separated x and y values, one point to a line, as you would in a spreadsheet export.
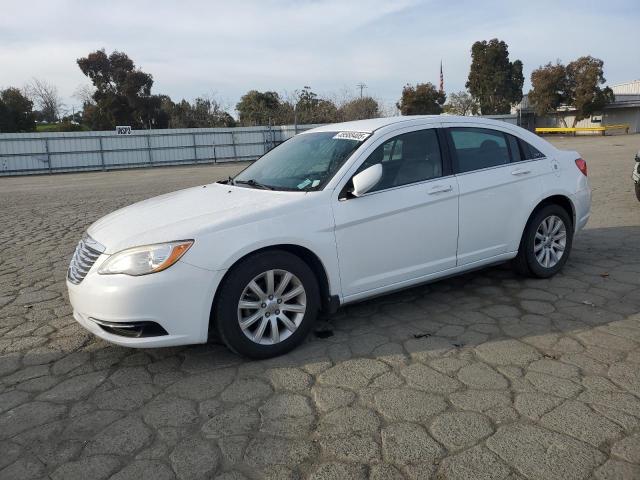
225	48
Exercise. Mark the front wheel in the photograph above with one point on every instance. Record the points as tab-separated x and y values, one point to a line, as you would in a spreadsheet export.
546	243
638	191
267	304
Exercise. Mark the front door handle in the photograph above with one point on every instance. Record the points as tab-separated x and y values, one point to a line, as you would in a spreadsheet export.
440	189
520	171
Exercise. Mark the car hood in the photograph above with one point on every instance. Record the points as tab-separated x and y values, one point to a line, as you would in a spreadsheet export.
185	214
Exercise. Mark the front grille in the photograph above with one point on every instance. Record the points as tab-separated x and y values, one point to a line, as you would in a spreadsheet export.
86	254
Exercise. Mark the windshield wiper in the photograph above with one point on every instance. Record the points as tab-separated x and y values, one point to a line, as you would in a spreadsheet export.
251	182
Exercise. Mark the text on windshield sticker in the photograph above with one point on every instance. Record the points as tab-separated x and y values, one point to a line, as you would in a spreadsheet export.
357	136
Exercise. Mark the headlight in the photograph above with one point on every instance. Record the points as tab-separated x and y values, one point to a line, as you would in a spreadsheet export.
146	259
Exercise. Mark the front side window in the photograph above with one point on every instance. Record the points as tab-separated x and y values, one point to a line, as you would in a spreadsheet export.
408	158
305	162
478	148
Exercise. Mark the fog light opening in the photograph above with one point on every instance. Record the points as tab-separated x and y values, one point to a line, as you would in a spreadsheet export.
131	329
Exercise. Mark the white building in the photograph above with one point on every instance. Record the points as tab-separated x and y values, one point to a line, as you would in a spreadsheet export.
624	110
629	88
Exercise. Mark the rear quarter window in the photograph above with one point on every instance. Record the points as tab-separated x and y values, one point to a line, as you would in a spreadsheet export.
529	152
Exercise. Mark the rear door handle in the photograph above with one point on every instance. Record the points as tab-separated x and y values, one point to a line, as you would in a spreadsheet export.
440	189
520	171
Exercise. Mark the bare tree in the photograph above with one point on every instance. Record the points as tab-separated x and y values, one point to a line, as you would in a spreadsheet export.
461	103
84	94
46	98
388	108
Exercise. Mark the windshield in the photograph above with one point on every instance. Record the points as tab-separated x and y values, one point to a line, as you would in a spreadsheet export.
305	162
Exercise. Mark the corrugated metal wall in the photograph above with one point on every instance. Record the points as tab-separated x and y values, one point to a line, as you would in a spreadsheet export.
628	88
25	153
611	116
29	153
630	116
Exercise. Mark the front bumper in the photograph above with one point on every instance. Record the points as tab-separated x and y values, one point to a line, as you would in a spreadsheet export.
178	300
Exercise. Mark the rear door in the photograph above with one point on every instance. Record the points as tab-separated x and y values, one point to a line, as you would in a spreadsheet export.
497	189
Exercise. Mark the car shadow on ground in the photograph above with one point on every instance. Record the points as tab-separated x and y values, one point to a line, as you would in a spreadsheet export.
600	284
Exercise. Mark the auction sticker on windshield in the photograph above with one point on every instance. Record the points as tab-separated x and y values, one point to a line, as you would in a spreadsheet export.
358	136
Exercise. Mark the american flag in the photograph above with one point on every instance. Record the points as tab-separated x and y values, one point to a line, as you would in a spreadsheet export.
441	78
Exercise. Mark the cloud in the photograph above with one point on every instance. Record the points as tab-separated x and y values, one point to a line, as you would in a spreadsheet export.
195	47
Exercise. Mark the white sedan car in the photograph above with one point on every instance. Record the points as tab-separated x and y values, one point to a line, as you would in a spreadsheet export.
335	215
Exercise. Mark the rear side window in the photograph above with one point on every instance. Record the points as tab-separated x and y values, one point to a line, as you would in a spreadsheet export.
478	148
529	152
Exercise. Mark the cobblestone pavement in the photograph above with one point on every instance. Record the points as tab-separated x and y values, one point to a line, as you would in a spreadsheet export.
487	375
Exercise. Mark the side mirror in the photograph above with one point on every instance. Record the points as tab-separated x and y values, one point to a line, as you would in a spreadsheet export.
366	180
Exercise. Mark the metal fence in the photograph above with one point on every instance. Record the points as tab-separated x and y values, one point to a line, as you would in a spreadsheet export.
29	153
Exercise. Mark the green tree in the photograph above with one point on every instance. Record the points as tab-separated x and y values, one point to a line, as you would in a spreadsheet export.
204	112
259	108
550	88
359	108
461	103
122	93
208	112
584	78
312	109
16	112
423	99
494	81
578	84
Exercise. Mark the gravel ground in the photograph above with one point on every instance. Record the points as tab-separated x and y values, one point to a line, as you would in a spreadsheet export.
487	375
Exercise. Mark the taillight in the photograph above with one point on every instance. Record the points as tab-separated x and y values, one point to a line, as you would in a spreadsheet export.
582	166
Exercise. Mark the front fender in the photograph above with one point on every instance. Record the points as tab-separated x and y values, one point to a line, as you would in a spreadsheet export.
311	229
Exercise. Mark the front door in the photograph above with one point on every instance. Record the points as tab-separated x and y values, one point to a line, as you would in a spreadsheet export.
406	227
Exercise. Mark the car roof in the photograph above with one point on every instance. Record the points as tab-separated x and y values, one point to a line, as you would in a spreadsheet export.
373	124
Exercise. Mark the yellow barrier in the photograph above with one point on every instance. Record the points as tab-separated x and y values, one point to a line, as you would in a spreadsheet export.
574	130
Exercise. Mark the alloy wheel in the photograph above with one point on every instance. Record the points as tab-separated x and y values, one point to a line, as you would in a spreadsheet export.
272	307
550	241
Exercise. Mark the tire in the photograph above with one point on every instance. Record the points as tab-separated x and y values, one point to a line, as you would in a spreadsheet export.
638	191
266	312
532	246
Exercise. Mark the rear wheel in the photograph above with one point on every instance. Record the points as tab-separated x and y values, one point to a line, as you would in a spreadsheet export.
267	304
546	243
638	191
